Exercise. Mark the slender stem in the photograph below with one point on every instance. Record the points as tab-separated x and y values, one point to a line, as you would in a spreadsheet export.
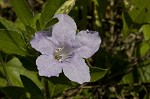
5	70
46	88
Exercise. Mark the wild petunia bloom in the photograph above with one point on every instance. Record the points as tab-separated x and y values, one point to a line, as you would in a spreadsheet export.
63	50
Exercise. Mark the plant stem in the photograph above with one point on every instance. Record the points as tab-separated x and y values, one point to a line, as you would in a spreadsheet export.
4	69
46	89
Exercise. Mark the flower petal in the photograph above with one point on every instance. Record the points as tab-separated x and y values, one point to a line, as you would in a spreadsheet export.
47	66
88	43
43	43
77	70
65	28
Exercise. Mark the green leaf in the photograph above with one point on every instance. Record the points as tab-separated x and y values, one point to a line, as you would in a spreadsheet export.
15	69
102	5
138	75
58	84
144	48
146	31
144	71
38	26
66	7
97	73
35	20
51	22
5	24
128	78
19	24
11	92
31	87
12	42
137	16
62	79
23	11
2	82
28	63
49	10
30	32
57	89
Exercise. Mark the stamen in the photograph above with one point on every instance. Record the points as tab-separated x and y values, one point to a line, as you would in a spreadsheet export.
61	55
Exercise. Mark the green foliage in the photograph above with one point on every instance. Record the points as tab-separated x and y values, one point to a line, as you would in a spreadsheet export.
139	75
97	73
51	22
144	48
15	69
19	24
14	92
5	24
146	31
58	84
49	10
66	7
136	16
57	89
144	72
23	11
30	32
9	42
124	27
31	87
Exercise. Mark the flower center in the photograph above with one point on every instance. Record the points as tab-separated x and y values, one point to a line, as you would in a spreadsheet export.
60	54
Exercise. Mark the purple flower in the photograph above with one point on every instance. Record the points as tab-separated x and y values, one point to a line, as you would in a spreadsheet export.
63	49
